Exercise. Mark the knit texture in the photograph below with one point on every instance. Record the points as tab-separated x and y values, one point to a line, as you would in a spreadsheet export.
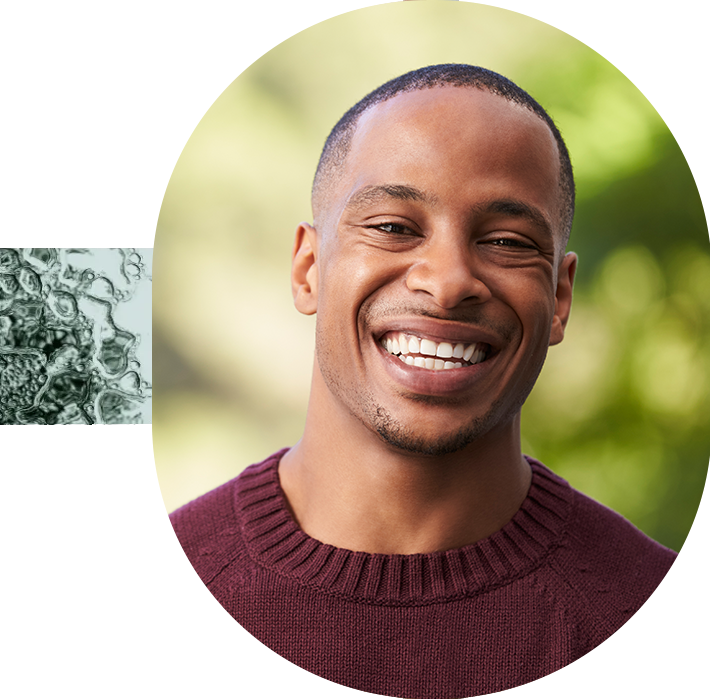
562	576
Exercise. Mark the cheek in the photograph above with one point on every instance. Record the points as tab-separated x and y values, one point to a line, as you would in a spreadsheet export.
529	293
345	285
358	277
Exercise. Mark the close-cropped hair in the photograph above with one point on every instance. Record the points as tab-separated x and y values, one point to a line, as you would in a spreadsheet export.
338	143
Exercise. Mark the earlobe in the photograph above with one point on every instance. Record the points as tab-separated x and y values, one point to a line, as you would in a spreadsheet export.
563	297
304	269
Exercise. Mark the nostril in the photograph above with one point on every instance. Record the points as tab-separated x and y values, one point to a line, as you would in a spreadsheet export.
449	286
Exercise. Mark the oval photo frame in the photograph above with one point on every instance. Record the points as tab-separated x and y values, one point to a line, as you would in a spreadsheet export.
219	175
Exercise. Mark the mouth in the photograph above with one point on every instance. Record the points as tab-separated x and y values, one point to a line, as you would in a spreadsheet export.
426	353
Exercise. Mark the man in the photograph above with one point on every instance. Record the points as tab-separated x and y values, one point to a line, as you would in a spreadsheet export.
405	546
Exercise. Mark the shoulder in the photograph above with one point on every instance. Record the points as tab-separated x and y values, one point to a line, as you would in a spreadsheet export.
209	529
612	541
608	560
601	569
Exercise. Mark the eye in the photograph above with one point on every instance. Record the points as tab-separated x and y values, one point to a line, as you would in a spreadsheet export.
511	243
394	228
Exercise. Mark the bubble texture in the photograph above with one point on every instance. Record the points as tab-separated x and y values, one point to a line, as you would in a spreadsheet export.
64	359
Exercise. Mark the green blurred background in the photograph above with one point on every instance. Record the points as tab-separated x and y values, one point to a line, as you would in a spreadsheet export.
622	407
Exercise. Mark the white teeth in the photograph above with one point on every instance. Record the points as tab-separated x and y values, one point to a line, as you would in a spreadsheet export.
444	350
404	346
428	347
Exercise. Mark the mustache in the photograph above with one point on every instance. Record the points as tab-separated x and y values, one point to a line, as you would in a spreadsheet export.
474	316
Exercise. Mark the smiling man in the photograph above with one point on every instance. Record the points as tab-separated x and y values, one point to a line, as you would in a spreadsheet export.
405	546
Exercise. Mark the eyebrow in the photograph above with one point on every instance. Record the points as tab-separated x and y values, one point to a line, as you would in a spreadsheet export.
376	193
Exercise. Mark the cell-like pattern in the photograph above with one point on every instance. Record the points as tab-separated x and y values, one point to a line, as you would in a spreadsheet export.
64	359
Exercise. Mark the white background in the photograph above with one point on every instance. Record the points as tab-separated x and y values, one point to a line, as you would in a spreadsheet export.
97	599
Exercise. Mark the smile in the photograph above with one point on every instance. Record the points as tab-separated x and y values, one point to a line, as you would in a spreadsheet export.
428	354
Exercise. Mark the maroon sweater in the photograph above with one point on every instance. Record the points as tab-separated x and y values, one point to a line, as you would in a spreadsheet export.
562	576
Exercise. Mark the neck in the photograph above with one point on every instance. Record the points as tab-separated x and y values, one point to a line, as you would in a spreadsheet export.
348	488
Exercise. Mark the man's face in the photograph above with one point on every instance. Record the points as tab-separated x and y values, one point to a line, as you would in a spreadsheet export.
438	273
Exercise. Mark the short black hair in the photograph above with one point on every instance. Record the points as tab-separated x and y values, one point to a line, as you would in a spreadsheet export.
338	143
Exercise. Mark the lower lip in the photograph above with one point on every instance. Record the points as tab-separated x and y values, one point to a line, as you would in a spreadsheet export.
432	382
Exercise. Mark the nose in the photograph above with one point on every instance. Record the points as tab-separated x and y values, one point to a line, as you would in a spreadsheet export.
447	271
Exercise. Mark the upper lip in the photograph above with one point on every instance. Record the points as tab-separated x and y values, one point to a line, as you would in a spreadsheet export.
438	330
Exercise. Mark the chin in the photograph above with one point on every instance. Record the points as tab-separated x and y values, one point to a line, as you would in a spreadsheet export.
414	441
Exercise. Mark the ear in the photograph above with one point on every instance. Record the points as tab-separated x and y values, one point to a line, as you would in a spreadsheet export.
304	269
563	297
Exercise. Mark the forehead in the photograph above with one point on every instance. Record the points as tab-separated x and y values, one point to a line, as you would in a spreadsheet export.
455	111
456	142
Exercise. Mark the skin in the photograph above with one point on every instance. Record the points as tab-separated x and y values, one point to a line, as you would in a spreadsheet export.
445	223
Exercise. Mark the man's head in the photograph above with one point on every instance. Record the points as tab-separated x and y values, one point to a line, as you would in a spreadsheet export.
436	264
338	143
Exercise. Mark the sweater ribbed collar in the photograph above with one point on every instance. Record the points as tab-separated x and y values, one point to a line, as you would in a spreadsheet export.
275	542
